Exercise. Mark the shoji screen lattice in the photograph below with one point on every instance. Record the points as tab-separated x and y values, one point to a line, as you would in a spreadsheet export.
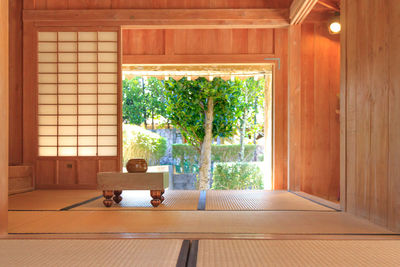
77	93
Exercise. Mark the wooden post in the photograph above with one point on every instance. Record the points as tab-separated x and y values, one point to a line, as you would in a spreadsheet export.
3	117
294	107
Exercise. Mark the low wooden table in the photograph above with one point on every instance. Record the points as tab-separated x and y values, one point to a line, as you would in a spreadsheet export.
112	184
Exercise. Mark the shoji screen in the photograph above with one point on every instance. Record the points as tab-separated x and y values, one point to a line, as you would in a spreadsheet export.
77	94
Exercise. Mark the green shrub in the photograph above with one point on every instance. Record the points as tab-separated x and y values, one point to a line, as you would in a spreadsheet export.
188	156
230	153
144	144
237	176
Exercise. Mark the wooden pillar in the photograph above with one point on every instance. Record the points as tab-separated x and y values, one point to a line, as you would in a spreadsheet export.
3	117
294	107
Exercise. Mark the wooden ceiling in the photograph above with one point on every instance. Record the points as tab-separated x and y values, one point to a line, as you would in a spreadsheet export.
322	6
327	5
324	10
139	4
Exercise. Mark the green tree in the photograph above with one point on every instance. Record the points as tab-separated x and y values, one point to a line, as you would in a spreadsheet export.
203	110
156	104
143	99
134	101
250	100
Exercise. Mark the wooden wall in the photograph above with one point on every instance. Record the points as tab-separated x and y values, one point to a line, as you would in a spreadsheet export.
211	46
320	127
141	46
20	179
370	89
314	129
198	42
15	97
3	116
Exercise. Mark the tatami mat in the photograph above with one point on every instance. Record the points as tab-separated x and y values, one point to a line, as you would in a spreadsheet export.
298	253
259	200
49	199
140	200
133	252
244	222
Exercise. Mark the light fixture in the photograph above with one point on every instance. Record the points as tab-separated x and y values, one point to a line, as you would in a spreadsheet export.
334	24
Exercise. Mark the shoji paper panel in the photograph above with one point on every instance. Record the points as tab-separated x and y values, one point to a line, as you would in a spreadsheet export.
77	93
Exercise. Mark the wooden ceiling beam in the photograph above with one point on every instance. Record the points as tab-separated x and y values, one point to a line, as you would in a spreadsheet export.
300	9
329	4
163	18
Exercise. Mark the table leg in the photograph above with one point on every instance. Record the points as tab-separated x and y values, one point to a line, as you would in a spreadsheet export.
156	195
108	194
162	197
117	196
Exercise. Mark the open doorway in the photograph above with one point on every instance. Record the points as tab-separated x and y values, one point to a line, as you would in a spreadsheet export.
167	125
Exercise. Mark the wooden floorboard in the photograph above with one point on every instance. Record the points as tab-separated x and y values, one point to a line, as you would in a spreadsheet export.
213	222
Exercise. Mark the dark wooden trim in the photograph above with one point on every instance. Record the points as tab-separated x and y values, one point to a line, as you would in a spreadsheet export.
80	203
202	200
194	249
183	254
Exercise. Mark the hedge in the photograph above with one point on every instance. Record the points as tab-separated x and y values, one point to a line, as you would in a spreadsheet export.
237	176
188	157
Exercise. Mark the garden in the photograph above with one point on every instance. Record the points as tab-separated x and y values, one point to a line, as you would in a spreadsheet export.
211	130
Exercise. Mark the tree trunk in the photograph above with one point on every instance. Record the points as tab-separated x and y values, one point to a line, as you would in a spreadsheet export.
152	121
254	126
243	129
205	154
242	134
144	106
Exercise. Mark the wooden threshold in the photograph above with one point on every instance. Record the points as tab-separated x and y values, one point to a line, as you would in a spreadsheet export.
321	201
196	236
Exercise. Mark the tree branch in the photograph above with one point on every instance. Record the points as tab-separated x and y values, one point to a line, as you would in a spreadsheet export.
187	133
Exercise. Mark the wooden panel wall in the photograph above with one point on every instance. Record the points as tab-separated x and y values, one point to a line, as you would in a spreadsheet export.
197	42
371	128
123	4
20	179
72	173
314	130
15	123
211	42
320	127
3	116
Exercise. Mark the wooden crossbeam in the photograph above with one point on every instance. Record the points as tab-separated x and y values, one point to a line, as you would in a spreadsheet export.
329	4
300	9
163	18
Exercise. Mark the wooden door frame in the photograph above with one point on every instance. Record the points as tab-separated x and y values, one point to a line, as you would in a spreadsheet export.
4	118
274	63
